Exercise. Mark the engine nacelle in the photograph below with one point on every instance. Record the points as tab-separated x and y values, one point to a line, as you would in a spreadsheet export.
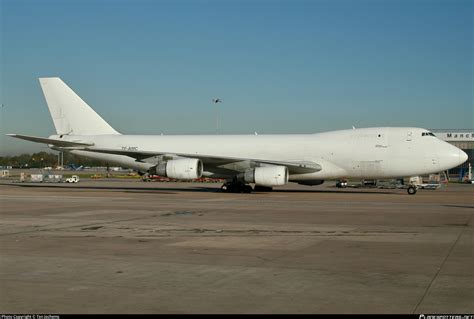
186	168
267	175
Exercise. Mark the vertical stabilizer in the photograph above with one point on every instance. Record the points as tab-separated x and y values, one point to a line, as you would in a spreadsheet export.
71	115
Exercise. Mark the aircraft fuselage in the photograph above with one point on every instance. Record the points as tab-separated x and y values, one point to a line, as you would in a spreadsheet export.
384	152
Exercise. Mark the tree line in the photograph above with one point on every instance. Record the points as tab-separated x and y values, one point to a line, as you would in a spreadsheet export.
45	159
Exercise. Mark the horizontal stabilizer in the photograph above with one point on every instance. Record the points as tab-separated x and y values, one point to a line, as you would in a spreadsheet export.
59	143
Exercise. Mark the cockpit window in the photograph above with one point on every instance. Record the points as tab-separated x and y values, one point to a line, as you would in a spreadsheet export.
427	134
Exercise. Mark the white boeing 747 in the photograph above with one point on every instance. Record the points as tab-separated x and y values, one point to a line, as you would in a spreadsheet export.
263	160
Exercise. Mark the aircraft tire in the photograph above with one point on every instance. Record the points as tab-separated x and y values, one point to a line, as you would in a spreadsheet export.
236	188
247	189
259	188
411	190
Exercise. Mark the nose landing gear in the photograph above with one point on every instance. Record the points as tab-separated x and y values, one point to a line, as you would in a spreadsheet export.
411	190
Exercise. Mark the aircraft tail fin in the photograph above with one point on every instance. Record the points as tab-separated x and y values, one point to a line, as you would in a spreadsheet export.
71	115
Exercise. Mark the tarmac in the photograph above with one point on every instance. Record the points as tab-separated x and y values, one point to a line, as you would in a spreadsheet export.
125	246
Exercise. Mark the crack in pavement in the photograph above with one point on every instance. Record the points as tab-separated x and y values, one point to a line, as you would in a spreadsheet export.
439	270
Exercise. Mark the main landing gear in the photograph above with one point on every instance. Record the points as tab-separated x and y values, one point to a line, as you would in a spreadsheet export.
236	187
260	188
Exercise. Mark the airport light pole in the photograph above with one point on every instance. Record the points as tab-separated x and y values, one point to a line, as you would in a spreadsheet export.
215	101
2	123
60	160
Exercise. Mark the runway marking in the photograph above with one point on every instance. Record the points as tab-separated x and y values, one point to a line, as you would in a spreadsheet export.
214	200
61	198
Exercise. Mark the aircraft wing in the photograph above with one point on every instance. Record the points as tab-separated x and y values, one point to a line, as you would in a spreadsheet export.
294	167
59	143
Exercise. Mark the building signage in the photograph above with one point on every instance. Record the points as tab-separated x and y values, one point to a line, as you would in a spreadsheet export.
456	136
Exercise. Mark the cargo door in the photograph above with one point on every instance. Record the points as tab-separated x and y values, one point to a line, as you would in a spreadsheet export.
370	154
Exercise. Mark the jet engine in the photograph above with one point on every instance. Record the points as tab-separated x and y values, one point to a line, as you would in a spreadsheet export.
186	168
267	175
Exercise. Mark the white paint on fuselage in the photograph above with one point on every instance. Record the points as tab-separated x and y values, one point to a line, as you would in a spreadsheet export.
384	152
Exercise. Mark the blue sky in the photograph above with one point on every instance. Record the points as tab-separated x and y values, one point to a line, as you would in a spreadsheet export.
151	67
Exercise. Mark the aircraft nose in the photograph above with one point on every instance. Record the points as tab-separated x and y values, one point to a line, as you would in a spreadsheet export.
450	156
462	157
